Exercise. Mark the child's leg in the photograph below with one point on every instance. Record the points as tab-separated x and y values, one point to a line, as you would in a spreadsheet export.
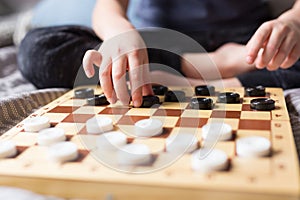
51	57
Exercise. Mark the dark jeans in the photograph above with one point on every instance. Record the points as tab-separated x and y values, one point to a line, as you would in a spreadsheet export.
52	57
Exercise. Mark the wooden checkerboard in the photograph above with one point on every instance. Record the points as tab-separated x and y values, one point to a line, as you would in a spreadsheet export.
92	176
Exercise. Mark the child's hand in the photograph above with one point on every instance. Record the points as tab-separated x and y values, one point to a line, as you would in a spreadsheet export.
116	56
275	44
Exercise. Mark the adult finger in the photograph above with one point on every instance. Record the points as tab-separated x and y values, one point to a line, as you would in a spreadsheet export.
119	79
136	76
91	58
292	57
257	42
259	57
275	40
283	51
106	83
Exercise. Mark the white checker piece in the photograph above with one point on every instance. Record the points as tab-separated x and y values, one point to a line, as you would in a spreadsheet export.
63	152
51	136
134	154
181	143
216	131
253	146
148	127
99	124
111	141
212	160
7	149
36	124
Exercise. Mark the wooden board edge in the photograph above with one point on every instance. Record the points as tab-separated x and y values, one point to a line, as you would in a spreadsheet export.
98	190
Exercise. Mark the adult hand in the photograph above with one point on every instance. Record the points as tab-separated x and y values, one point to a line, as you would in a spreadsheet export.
275	44
116	56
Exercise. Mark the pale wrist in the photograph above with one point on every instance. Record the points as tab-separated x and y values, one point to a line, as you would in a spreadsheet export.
291	15
116	26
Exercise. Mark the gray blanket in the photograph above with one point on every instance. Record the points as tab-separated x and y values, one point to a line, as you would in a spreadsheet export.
11	80
18	99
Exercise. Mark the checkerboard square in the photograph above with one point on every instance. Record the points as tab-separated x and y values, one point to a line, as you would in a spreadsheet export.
196	113
78	118
25	139
74	102
25	153
141	111
247	100
63	109
130	119
225	114
256	115
71	128
246	133
191	122
255	124
56	117
115	111
167	121
155	145
89	110
168	112
174	105
233	122
228	107
246	107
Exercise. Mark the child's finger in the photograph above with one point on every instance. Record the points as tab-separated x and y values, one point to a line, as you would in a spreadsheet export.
136	76
91	58
106	83
119	79
147	87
